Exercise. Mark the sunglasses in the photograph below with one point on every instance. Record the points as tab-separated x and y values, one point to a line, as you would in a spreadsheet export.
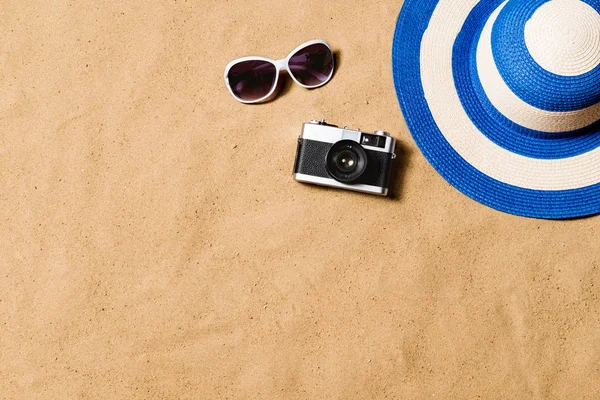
254	79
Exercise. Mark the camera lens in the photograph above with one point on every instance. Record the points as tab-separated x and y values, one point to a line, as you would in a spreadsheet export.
346	161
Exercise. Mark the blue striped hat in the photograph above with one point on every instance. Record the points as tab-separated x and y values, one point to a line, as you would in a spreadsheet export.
503	99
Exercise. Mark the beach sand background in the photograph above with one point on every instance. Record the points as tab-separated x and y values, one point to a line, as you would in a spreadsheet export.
154	245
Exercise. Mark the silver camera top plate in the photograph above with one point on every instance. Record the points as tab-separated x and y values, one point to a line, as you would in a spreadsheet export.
323	132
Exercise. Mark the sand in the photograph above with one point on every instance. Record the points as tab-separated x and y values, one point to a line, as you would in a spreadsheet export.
154	245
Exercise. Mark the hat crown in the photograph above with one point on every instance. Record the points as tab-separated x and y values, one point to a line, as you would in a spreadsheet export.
563	37
539	63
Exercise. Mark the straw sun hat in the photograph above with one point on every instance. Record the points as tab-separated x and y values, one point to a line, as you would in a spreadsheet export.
503	99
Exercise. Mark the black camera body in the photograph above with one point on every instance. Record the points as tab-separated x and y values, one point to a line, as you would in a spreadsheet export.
347	159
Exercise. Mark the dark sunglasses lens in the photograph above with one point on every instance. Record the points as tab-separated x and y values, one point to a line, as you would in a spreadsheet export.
252	80
312	65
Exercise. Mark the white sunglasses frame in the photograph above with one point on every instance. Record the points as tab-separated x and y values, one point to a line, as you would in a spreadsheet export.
280	65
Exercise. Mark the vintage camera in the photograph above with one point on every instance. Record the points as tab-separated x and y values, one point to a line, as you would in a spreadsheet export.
342	158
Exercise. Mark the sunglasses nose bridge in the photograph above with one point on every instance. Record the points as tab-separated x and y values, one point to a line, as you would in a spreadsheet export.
281	65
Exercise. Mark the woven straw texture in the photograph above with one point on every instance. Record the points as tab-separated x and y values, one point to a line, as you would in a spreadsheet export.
503	98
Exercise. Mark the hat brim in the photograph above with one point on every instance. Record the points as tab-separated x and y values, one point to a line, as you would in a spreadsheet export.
582	201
